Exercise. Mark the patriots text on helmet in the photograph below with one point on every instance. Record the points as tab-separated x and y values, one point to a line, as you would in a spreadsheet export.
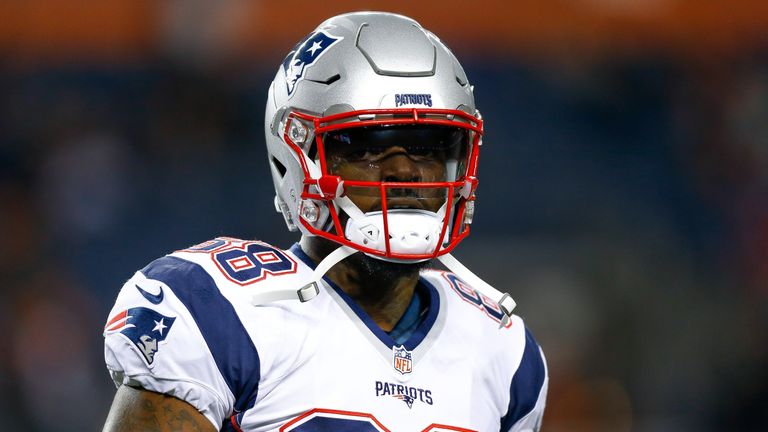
413	99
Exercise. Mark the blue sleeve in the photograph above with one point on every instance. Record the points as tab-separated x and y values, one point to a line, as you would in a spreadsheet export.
232	348
527	384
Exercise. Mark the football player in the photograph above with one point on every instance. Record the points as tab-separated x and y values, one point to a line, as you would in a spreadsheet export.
372	140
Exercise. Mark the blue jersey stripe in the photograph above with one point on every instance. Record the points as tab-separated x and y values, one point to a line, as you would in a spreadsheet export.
232	348
526	384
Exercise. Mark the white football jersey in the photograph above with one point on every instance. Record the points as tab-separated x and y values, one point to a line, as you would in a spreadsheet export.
185	326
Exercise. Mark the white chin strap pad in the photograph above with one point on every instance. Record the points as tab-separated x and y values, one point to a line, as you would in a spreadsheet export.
505	302
410	231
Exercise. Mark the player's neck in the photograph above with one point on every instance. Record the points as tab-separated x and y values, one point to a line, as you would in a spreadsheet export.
383	299
383	290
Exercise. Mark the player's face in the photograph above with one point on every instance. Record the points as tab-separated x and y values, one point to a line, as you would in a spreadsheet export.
411	154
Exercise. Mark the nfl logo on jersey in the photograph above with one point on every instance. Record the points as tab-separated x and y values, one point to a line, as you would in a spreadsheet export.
403	362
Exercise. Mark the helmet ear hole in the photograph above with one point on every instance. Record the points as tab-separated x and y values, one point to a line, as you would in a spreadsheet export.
281	169
312	152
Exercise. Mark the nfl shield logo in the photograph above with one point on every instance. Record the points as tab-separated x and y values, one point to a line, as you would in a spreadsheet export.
402	360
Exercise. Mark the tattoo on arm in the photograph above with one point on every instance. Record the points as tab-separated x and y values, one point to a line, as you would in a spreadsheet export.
141	410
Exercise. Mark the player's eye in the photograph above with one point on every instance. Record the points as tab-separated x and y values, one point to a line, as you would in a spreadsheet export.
362	153
423	150
420	143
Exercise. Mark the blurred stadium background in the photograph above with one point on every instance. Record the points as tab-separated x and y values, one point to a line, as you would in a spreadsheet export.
623	189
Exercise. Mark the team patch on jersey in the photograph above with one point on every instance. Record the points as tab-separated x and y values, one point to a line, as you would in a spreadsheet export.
402	360
405	393
304	55
144	327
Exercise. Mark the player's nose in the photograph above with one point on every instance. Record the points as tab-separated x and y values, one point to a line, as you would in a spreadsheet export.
398	167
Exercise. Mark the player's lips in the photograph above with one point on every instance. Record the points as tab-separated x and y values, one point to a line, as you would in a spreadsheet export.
400	203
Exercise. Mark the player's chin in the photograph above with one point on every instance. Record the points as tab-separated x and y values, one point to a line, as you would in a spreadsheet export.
388	270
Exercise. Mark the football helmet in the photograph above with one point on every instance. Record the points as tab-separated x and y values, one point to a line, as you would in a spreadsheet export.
373	138
361	91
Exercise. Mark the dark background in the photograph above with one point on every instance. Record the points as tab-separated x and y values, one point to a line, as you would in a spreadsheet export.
623	195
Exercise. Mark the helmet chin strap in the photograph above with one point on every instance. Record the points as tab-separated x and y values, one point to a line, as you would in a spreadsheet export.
312	289
504	300
308	291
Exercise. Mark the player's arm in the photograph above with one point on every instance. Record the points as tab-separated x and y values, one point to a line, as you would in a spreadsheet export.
140	410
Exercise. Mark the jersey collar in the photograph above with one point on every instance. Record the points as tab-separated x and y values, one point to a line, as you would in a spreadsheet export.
426	328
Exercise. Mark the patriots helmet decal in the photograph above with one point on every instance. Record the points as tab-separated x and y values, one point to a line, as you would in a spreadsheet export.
143	327
304	55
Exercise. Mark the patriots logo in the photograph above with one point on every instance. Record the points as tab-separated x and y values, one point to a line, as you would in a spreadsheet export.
405	398
144	327
304	55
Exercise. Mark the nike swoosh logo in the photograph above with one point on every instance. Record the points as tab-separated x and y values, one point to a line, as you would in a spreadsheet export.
153	298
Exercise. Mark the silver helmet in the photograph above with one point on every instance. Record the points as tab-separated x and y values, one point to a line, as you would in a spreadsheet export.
363	77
